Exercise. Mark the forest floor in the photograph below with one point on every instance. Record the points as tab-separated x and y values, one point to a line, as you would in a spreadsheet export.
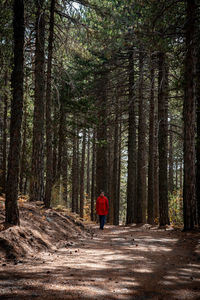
54	256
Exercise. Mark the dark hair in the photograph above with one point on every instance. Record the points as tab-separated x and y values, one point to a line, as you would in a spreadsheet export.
101	192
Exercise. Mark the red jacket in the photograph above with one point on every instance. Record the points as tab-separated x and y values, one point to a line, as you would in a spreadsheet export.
102	206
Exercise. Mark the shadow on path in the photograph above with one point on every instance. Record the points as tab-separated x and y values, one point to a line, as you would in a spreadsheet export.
117	263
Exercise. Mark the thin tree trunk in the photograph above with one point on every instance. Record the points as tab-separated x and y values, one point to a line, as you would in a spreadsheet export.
49	150
162	142
4	146
181	176
141	169
24	146
131	181
176	173
110	150
65	172
101	147
37	169
151	150
119	163
189	121
77	172
156	175
115	169
93	175
82	173
55	145
12	211
61	140
74	175
88	165
171	163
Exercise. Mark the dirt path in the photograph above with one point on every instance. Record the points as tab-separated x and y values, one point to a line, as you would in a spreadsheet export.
117	263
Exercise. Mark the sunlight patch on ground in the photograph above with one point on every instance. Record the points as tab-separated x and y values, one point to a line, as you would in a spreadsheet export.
143	270
195	267
92	266
161	240
156	248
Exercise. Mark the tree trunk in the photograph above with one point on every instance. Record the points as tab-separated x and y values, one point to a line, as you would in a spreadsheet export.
171	163
82	173
12	212
114	196
65	172
24	146
88	165
131	180
74	175
162	142
37	170
189	121
93	175
119	162
156	175
4	146
55	144
110	156
61	141
75	180
141	169
198	135
49	150
181	176
77	172
151	149
176	173
101	147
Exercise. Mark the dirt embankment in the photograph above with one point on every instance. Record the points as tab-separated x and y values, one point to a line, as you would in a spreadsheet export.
40	230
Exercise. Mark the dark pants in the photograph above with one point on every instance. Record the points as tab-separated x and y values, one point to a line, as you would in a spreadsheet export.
102	220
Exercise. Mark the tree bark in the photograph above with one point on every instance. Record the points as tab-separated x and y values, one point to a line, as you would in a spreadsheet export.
101	147
75	180
189	121
171	163
110	159
151	149
156	172
141	168
37	169
181	176
65	171
162	141
55	144
77	171
4	146
131	181
176	173
198	134
82	173
12	211
61	141
93	174
114	196
119	162
24	146
88	165
49	150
